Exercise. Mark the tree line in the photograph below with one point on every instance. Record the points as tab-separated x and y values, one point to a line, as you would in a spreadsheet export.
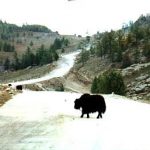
35	28
6	47
124	47
8	31
109	82
40	57
132	39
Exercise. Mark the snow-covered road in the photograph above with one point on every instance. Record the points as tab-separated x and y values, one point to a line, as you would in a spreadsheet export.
64	64
48	121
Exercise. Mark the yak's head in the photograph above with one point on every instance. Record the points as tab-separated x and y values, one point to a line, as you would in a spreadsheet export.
77	104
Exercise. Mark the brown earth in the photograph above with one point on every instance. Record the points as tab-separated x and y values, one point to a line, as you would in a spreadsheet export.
6	93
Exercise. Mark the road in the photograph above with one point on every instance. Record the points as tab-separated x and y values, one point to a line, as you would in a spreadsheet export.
64	64
47	120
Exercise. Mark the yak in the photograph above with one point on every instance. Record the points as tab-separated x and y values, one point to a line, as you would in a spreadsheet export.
90	104
19	87
10	85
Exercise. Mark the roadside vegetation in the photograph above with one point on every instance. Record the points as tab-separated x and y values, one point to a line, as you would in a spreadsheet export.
109	82
119	50
6	93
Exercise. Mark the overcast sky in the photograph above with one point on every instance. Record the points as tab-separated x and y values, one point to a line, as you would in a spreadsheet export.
73	17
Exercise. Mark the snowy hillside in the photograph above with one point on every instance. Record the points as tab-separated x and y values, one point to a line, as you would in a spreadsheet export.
48	121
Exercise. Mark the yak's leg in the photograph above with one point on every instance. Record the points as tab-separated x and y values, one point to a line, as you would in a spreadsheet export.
99	115
82	114
88	115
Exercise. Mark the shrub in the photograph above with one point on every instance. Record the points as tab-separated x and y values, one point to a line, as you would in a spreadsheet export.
108	82
60	88
94	87
146	50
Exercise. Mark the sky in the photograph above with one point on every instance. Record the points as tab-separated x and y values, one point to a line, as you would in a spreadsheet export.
74	17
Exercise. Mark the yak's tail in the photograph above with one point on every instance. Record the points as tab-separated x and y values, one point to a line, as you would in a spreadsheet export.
103	105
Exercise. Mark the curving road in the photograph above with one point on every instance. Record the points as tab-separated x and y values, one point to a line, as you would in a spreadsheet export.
64	64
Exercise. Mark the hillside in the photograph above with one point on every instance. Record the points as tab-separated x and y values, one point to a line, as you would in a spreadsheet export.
47	119
22	37
126	50
17	42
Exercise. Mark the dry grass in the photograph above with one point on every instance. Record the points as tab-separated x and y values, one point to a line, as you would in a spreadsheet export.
4	97
6	93
26	74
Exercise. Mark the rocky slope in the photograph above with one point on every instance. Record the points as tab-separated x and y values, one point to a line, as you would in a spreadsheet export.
136	77
79	79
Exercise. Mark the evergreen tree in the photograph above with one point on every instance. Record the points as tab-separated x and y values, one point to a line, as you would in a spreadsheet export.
55	56
84	56
31	43
126	60
8	47
119	55
5	47
66	42
99	49
62	50
17	62
57	44
60	88
1	45
7	64
115	83
28	59
146	50
109	82
88	39
136	55
94	87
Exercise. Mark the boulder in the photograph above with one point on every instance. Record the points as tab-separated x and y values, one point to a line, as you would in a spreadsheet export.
148	80
141	78
140	88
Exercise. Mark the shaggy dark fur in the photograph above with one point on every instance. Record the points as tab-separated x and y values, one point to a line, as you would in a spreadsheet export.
19	87
90	104
9	84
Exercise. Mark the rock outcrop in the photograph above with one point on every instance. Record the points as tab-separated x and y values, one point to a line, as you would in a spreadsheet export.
137	79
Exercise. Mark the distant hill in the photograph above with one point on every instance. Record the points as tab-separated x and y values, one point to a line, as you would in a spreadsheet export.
143	21
16	38
126	46
30	45
11	28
